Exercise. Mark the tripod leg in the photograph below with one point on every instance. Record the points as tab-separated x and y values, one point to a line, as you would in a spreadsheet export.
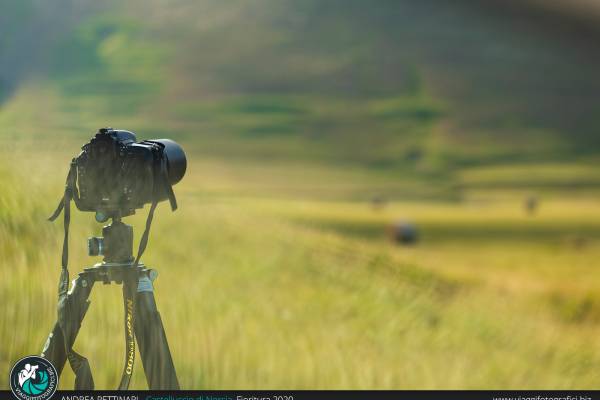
152	341
75	305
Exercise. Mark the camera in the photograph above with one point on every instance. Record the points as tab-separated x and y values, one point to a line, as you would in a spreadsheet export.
113	176
116	174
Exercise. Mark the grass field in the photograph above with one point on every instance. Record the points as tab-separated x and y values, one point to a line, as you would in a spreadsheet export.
280	290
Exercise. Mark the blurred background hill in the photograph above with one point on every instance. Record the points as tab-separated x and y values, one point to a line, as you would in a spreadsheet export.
311	127
425	87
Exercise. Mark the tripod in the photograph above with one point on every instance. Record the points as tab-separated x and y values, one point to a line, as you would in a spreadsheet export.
142	320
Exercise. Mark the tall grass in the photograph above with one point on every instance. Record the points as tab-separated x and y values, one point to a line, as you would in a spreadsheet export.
280	292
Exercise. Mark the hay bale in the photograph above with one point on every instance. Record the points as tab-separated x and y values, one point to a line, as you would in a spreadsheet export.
576	241
378	202
531	205
404	232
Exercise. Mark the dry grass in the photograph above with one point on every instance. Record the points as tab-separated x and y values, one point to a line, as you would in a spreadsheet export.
261	291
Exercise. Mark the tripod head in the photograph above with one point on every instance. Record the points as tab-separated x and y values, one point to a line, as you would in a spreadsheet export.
115	244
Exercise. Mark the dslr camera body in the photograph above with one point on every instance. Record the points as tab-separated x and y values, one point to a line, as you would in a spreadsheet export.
115	174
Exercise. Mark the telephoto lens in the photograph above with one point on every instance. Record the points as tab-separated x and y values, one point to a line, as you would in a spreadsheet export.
176	161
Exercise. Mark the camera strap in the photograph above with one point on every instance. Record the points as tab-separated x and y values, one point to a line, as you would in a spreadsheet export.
130	286
78	363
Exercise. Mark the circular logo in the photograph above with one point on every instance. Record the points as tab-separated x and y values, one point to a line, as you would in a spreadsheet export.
33	378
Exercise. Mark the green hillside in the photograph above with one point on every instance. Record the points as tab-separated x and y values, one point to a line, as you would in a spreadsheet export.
421	86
